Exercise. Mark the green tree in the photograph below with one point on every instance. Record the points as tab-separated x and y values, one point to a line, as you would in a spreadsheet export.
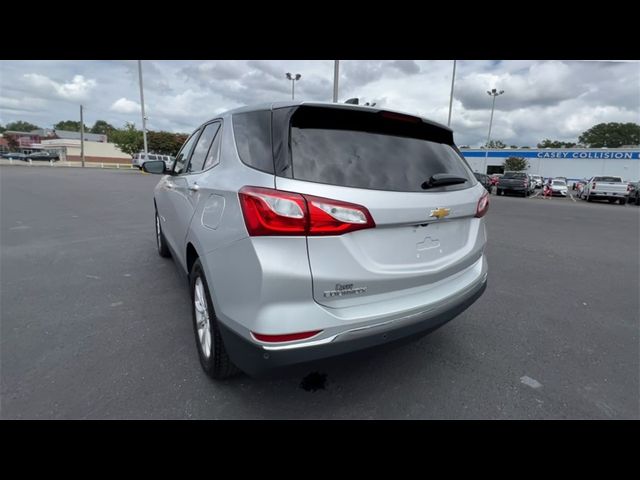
524	146
515	164
611	135
21	126
546	143
2	129
165	143
70	126
128	139
102	127
495	144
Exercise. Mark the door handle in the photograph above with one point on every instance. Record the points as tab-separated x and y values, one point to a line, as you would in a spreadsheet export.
194	187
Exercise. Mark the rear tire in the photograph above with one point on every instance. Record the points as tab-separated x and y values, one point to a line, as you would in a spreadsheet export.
637	199
211	351
623	201
161	242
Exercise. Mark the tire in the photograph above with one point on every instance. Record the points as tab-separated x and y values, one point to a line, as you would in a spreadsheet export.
498	192
589	199
161	242
211	351
612	200
637	199
623	201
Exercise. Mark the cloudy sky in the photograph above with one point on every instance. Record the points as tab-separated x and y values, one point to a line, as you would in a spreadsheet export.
542	99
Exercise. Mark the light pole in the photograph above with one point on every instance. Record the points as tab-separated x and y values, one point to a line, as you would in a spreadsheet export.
493	93
144	118
336	77
453	79
293	79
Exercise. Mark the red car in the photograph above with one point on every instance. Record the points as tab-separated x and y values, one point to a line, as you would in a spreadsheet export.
494	178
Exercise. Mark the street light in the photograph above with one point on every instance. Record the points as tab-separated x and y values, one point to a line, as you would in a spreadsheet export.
293	79
493	93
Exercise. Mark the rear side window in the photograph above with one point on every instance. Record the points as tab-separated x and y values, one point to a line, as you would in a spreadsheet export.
514	175
252	131
372	150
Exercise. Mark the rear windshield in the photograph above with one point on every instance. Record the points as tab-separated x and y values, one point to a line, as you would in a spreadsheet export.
607	179
514	175
371	150
559	182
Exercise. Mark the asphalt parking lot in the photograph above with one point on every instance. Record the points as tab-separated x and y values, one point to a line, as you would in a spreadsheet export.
94	324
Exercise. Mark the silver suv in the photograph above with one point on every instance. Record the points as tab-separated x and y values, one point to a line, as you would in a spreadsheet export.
310	230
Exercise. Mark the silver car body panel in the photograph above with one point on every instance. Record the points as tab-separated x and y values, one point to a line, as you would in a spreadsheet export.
411	263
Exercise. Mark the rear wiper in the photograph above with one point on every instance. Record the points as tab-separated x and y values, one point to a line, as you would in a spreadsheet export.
442	179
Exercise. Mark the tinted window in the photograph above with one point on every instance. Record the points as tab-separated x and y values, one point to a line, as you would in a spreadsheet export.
202	147
514	175
212	155
183	155
371	150
607	179
252	131
153	157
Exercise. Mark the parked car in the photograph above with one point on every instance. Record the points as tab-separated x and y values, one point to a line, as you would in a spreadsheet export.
537	179
517	182
139	159
559	188
610	188
43	155
494	178
325	247
634	193
14	156
484	180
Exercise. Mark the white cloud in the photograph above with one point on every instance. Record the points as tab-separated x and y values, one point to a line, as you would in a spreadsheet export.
78	89
543	99
123	105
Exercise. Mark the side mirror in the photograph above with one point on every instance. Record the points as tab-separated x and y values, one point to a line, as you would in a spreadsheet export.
154	166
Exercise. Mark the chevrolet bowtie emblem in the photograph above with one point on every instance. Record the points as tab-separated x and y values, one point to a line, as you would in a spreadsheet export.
440	212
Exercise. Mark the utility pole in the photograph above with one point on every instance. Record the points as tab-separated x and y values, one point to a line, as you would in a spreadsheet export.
81	136
336	77
144	118
453	79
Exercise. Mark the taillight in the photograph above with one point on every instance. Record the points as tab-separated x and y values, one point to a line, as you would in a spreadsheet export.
483	205
286	337
273	212
593	187
332	217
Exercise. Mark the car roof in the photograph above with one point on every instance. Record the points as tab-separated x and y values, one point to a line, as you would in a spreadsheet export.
343	106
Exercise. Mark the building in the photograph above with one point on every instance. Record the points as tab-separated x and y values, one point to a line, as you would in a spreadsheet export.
67	145
572	163
69	150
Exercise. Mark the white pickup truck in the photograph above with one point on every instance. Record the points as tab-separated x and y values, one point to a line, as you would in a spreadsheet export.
606	187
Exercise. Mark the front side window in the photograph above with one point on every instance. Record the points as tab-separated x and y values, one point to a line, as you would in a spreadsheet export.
202	147
183	154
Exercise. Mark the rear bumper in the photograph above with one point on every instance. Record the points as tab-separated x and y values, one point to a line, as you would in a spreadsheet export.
256	359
